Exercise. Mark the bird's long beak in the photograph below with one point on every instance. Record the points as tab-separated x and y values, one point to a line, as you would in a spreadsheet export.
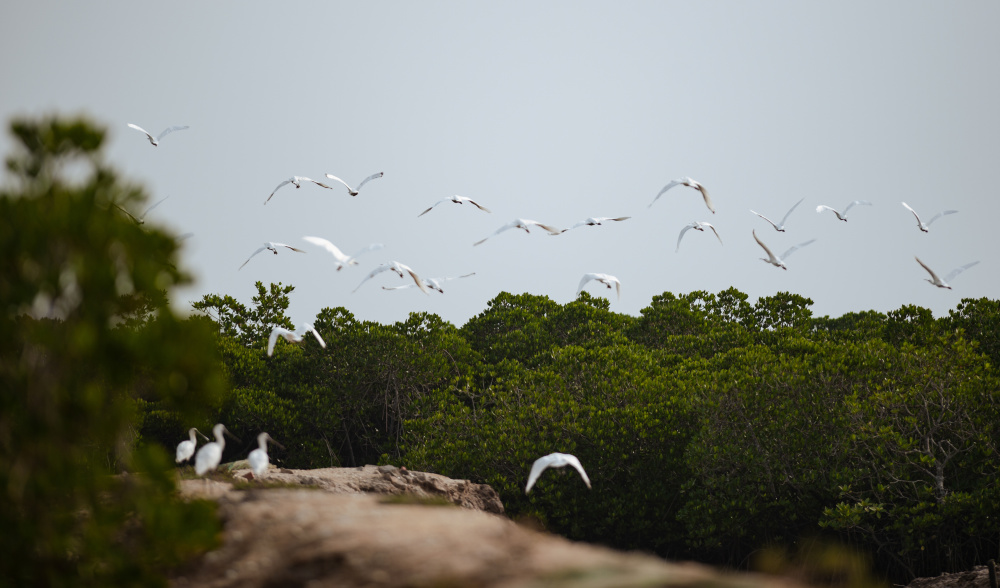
231	436
203	436
276	443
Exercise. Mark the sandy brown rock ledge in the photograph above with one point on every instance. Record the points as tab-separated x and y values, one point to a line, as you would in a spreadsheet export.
346	534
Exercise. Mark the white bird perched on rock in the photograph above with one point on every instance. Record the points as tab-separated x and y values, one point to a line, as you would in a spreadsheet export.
400	269
698	226
925	227
605	279
432	283
258	457
156	140
457	200
554	460
686	181
523	224
779	261
780	227
934	279
270	246
354	191
292	337
842	215
342	259
141	220
596	221
185	449
210	454
297	182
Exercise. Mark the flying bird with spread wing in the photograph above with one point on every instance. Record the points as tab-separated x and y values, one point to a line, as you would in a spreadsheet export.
457	200
297	182
607	279
842	215
400	269
272	247
686	181
156	140
925	227
292	337
780	227
354	191
339	255
523	224
935	280
596	221
698	226
432	283
773	259
554	460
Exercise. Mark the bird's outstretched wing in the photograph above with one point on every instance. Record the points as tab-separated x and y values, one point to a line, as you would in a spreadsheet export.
711	226
954	273
573	461
664	189
330	247
350	190
259	249
934	277
381	268
158	202
917	216
431	207
681	236
939	215
537	468
368	179
276	189
795	248
767	219
169	130
311	329
852	204
509	225
273	338
130	215
143	131
704	195
416	279
789	213
769	253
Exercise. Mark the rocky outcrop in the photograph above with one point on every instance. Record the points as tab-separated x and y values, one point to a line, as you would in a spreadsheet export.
345	527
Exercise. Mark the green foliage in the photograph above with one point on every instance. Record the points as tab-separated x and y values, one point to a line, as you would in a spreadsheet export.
250	326
710	426
88	340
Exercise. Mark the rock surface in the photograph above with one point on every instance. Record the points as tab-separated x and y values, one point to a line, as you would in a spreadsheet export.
344	532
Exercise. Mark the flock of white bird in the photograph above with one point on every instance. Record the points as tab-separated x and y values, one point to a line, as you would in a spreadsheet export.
208	457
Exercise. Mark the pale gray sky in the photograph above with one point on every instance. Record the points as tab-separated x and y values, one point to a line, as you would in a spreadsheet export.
551	111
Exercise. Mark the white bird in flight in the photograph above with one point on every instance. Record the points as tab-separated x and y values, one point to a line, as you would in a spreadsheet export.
141	220
354	191
523	224
156	140
258	457
342	259
270	246
457	200
779	261
400	269
210	454
925	227
780	227
554	460
292	337
698	226
432	283
297	182
185	449
686	181
842	215
596	221
934	279
606	279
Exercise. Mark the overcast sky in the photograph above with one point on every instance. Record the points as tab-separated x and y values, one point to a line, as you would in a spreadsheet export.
551	111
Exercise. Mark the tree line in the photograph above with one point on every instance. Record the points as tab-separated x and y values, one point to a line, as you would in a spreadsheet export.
710	426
